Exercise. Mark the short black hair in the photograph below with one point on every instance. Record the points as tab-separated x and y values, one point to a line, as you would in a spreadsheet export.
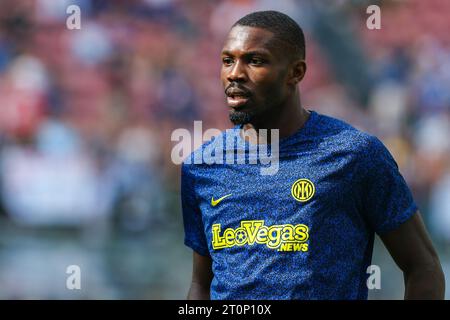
281	25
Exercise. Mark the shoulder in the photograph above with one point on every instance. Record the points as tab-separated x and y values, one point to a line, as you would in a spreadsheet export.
371	155
346	136
196	159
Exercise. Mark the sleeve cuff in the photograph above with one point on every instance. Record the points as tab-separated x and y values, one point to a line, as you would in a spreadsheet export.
407	214
199	249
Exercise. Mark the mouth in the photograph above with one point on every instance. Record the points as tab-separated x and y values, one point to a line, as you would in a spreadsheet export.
237	98
236	101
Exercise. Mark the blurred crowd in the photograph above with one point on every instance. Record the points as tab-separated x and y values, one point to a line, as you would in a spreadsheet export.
86	115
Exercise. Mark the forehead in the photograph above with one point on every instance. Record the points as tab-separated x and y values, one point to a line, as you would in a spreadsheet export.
243	38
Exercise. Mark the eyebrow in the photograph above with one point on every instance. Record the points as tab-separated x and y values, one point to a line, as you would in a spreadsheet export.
262	52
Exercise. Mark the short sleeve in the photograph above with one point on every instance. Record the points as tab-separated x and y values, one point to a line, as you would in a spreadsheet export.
387	201
192	217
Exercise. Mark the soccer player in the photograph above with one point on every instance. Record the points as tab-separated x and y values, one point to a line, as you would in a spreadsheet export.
306	232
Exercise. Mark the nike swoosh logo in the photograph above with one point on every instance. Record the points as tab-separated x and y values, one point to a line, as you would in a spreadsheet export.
216	202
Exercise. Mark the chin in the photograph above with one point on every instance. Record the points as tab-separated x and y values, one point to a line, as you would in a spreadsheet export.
241	117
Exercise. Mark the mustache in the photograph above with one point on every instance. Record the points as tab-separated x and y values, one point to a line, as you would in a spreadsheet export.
236	89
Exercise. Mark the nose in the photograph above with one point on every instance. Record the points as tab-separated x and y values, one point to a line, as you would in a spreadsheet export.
237	73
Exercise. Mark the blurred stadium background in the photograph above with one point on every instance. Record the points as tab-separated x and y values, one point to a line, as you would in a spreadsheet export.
86	117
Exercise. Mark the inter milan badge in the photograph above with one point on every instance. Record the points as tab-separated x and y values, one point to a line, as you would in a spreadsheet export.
302	190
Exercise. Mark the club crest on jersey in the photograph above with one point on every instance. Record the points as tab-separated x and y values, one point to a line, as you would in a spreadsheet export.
303	190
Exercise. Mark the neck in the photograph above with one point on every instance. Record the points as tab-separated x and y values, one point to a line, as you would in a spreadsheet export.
288	119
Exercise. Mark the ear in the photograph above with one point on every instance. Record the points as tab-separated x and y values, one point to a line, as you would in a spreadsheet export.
297	71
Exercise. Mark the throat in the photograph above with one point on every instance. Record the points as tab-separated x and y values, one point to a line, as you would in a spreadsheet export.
286	123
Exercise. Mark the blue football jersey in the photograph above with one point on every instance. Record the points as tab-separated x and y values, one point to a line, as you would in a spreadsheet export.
306	232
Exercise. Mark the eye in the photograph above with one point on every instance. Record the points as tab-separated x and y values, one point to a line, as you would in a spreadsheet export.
256	61
227	61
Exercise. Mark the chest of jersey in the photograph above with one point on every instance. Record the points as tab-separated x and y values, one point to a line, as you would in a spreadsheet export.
242	208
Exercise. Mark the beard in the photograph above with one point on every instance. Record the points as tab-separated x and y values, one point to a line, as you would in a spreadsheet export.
241	117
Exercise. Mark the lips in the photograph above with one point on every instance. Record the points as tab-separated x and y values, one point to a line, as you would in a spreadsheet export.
236	101
236	97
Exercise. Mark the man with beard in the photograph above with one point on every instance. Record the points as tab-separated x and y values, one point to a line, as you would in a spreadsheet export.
306	232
